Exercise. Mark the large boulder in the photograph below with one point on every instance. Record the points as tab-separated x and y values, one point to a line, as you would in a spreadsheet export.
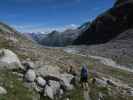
53	73
67	78
48	70
30	75
64	80
9	60
3	91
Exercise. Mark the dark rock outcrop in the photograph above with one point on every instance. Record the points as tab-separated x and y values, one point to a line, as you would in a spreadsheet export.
109	25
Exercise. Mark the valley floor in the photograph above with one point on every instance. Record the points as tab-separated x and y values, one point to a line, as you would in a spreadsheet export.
102	69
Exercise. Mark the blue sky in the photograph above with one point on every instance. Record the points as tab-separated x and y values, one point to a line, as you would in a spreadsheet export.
45	15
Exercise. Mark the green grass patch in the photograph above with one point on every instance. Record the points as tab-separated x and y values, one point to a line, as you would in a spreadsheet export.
15	87
76	94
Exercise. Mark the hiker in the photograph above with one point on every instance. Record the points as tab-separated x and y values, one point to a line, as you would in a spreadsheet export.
72	71
84	77
2	53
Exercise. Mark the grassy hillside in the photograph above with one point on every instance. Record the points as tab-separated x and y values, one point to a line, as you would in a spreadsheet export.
15	87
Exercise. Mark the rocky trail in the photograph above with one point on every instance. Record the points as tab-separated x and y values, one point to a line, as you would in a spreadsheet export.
110	62
103	60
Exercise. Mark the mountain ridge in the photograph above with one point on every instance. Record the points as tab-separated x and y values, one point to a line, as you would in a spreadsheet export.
59	39
108	25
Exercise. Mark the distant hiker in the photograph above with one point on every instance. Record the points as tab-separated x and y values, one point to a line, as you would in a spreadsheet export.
93	80
71	69
2	53
84	77
73	72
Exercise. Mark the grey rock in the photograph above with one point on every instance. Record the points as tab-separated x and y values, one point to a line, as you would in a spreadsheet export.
28	64
3	91
9	60
30	75
55	86
40	81
101	82
48	70
66	78
49	92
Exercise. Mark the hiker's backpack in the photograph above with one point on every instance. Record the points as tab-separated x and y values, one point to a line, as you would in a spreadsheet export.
84	72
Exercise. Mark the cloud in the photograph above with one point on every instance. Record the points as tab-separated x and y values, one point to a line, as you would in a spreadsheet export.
40	28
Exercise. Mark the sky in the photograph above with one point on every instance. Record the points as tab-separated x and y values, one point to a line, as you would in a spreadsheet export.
47	15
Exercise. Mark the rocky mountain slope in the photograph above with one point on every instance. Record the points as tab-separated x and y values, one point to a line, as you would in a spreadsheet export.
112	34
109	24
118	49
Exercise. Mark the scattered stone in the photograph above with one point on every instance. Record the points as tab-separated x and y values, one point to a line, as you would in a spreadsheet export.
61	92
55	86
109	82
40	81
37	88
130	92
67	99
101	82
28	65
3	91
30	75
49	92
